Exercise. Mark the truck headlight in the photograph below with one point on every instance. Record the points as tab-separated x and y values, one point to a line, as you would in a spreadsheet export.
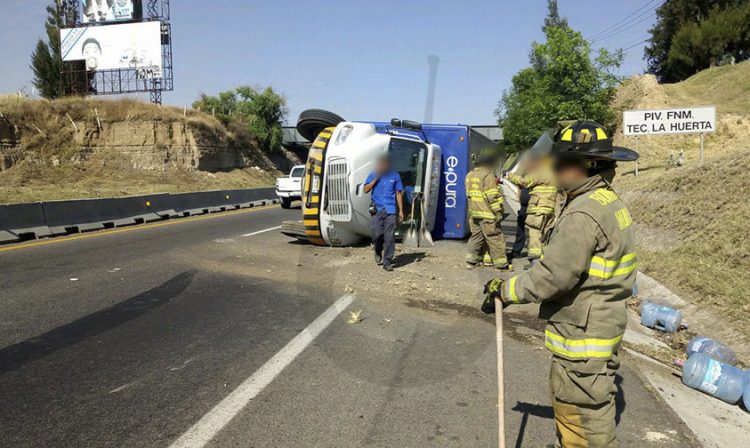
344	134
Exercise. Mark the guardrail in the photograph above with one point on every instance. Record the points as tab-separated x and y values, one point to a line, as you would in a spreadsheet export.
51	218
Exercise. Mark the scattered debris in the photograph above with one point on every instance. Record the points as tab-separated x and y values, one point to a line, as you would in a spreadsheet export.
355	317
114	270
74	279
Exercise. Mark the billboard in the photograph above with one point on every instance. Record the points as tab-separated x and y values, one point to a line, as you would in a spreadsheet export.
120	46
108	10
669	121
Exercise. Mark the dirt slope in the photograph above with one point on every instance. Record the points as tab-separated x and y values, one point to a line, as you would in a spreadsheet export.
693	221
77	148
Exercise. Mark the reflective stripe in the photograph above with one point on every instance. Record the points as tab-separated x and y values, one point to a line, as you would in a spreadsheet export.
474	193
542	210
510	290
606	269
483	215
492	191
581	348
544	189
497	206
535	251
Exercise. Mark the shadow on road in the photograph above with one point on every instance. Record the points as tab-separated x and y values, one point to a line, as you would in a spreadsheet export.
527	409
407	258
15	356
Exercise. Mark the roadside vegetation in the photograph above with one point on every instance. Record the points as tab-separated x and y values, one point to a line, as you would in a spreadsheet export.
79	148
564	82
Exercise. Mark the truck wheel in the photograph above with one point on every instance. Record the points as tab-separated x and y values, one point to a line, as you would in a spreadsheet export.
286	203
312	121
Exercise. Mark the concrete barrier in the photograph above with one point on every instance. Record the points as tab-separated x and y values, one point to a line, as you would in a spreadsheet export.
82	215
40	219
19	221
144	208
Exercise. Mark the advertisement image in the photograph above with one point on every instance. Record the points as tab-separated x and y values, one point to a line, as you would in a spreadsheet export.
125	46
107	10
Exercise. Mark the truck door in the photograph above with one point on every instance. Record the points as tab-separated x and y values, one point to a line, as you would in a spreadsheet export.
409	158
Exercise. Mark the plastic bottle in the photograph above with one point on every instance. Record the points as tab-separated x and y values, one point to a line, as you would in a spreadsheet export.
713	377
712	348
746	397
660	317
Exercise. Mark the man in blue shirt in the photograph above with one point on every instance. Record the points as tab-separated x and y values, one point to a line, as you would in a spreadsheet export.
387	194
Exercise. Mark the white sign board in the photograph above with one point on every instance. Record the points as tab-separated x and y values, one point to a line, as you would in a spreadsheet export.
669	121
109	47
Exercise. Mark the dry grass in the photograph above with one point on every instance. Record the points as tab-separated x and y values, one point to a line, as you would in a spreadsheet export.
52	160
693	221
693	226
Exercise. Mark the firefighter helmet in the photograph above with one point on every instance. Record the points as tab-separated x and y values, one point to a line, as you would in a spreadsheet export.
587	139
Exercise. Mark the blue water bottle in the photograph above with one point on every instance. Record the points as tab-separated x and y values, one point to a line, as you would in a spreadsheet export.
713	377
660	317
746	397
712	348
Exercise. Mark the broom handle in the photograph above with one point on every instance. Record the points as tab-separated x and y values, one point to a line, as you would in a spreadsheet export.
500	375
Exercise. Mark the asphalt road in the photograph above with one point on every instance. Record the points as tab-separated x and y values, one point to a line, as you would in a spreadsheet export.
130	339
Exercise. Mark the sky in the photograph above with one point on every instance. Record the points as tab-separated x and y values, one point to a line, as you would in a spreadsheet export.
363	60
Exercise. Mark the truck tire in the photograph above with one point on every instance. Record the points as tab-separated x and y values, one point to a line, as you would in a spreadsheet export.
312	121
286	203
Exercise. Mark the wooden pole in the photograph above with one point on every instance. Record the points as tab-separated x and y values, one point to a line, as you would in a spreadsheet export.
500	375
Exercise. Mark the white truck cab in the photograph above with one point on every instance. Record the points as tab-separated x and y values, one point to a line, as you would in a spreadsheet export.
335	206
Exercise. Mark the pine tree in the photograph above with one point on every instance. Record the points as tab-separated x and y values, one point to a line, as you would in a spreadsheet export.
45	59
553	18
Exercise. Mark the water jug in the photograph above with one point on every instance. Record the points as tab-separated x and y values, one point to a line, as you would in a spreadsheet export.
712	348
660	317
713	377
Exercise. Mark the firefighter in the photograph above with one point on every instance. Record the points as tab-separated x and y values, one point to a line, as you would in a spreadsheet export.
485	212
537	176
586	275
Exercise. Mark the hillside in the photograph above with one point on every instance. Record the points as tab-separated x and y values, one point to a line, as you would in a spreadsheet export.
81	148
693	221
726	87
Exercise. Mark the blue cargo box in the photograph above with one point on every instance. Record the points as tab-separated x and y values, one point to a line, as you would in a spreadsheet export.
458	143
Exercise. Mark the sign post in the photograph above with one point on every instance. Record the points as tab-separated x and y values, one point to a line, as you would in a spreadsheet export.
692	120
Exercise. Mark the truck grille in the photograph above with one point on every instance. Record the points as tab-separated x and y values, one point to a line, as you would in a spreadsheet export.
337	190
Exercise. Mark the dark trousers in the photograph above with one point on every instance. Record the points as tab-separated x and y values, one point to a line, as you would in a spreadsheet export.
384	235
520	243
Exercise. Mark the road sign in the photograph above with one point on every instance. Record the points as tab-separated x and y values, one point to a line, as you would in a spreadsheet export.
669	121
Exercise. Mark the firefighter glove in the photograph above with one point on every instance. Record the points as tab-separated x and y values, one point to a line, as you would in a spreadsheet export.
492	290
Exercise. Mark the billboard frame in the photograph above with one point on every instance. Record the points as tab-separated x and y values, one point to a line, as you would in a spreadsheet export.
76	80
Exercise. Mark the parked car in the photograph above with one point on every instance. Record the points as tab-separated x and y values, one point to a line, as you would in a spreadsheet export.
289	188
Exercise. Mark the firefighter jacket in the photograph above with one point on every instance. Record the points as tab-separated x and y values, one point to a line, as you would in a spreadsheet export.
586	275
542	190
484	195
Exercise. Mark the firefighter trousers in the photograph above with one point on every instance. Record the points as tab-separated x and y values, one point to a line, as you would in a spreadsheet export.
584	407
486	232
537	226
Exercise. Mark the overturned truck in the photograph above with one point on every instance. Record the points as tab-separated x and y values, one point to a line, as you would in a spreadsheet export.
432	160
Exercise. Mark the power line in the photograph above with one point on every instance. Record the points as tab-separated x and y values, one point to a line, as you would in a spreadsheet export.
629	18
630	47
625	27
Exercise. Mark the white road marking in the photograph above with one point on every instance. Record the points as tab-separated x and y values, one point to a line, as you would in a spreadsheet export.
262	231
210	424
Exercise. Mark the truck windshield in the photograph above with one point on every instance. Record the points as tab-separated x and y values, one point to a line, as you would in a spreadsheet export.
297	172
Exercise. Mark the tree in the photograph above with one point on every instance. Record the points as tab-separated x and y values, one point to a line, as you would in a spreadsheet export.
553	18
260	112
46	63
724	34
563	83
672	16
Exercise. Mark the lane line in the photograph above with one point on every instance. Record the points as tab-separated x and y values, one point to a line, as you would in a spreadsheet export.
63	239
217	418
262	231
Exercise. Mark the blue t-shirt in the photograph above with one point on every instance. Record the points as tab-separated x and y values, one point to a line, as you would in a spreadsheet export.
384	192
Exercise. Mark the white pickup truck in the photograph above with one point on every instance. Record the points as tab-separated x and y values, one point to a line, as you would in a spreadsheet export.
289	188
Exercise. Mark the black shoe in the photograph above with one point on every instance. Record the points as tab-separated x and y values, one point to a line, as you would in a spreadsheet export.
388	268
378	259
